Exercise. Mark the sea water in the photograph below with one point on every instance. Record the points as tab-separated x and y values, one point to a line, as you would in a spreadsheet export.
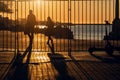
90	32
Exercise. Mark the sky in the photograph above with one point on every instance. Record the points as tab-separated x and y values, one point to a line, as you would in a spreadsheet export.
76	11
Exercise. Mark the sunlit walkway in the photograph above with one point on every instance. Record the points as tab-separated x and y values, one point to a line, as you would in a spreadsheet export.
6	59
60	66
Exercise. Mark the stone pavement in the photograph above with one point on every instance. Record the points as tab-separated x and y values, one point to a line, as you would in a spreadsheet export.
6	59
60	66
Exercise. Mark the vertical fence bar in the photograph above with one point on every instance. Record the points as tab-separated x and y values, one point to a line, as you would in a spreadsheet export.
98	22
11	22
3	31
64	21
82	25
90	24
86	25
78	24
15	37
16	27
7	31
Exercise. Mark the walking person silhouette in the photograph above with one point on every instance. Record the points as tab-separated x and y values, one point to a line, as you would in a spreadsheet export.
31	21
20	72
50	31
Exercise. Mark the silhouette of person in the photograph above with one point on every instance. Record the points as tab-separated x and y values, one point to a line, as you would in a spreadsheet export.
31	21
50	24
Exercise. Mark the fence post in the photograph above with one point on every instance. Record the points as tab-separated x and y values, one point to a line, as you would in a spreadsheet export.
69	26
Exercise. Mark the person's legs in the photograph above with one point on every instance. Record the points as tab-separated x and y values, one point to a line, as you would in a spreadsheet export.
52	45
51	41
48	40
32	37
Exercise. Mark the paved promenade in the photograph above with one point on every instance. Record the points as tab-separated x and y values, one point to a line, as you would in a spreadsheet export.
60	66
6	59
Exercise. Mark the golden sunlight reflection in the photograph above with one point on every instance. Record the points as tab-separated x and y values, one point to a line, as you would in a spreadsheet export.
42	57
38	57
40	26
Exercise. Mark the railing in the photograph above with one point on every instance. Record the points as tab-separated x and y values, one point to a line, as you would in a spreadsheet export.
84	18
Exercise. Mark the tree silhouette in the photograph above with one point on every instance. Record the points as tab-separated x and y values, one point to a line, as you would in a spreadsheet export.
4	8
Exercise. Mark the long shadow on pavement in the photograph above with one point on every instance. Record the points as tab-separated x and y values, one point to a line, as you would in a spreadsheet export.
109	59
59	62
20	70
81	68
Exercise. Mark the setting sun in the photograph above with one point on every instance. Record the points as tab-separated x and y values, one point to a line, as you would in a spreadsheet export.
38	2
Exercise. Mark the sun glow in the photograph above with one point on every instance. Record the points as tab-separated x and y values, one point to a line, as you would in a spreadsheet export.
38	2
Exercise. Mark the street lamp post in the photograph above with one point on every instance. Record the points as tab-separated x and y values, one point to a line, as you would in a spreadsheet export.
115	33
117	10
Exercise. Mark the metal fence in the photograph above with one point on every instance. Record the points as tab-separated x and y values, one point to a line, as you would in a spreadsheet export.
82	20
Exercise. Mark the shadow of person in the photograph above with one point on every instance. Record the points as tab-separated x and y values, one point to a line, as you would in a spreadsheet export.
22	69
59	63
117	57
108	59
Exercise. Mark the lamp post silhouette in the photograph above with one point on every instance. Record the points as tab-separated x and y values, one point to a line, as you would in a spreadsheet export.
115	33
117	10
